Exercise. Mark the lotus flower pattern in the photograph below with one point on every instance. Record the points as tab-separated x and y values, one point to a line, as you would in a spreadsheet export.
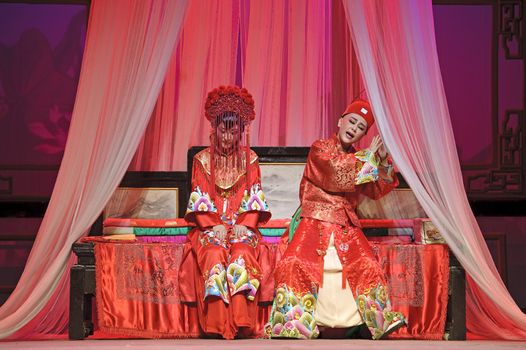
215	284
292	315
200	201
375	309
253	200
239	280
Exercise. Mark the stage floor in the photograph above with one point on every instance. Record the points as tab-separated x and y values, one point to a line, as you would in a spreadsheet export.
257	344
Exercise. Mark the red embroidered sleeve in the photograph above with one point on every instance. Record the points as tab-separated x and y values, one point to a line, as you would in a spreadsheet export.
387	181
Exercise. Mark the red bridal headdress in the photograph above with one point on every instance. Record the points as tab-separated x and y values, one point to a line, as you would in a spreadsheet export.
230	100
230	109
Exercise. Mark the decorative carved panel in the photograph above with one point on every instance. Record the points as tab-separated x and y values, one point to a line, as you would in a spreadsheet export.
496	181
503	177
512	28
511	133
509	176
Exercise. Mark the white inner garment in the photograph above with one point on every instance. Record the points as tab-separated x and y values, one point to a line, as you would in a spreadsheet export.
336	307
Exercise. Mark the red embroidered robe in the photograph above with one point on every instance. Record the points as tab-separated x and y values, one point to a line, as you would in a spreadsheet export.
329	196
229	273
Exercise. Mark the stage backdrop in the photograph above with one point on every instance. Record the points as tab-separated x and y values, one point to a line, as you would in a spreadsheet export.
486	46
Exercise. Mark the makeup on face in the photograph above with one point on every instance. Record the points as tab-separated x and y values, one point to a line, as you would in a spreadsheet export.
352	127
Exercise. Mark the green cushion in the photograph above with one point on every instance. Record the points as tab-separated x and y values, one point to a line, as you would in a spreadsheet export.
161	231
182	231
294	222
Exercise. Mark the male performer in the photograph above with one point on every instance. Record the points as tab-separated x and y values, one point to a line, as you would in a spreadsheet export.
329	238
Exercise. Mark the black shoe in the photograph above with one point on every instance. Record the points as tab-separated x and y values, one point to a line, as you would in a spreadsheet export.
355	332
393	327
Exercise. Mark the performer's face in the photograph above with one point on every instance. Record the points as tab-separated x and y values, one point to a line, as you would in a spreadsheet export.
352	128
229	133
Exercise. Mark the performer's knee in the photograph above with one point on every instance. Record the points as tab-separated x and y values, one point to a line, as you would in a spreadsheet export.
215	252
238	249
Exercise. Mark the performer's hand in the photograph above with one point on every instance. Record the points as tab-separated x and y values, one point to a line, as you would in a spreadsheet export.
220	231
240	230
382	152
376	142
377	146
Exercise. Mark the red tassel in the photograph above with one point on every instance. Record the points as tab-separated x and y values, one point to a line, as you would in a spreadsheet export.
248	181
212	167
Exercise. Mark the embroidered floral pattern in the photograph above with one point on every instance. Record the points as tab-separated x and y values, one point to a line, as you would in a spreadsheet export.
239	279
344	173
323	211
216	284
292	316
248	237
253	200
200	201
207	237
144	272
368	172
229	220
375	308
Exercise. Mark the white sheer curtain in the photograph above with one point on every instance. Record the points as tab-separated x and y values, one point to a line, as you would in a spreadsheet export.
128	48
395	45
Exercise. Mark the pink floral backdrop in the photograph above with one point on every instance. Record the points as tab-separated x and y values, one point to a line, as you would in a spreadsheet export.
39	72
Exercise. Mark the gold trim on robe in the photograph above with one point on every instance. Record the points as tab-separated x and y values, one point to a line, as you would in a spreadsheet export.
204	158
